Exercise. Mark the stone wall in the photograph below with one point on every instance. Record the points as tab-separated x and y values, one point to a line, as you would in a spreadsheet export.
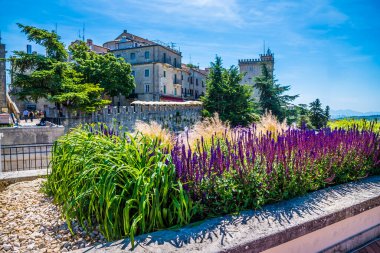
174	116
30	135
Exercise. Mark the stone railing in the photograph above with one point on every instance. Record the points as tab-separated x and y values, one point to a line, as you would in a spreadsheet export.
174	116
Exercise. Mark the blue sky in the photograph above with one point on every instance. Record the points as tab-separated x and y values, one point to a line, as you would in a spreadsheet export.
323	49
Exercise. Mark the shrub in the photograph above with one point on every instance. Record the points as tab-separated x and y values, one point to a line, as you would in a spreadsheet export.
125	184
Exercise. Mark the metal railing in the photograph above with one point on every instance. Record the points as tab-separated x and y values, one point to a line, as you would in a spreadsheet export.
25	157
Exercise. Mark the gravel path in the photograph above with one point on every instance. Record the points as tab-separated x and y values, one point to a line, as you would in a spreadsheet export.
29	222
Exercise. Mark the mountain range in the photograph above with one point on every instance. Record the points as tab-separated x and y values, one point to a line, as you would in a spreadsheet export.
350	113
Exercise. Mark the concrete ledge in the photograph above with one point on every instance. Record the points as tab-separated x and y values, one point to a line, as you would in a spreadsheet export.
30	135
7	178
256	231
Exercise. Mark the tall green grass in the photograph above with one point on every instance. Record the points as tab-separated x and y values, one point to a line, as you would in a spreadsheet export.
126	185
360	124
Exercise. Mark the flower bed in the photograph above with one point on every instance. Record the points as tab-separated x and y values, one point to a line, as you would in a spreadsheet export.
132	184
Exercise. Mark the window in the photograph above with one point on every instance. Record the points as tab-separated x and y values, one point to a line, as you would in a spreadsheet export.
203	85
196	81
185	91
147	73
191	80
118	55
175	62
133	73
133	56
191	92
164	73
147	88
181	76
196	94
175	78
175	91
147	55
164	57
164	89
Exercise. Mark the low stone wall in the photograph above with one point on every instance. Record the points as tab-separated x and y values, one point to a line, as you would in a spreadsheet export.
335	219
174	116
30	135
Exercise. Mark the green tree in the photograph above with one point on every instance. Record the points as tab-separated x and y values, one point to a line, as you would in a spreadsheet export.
327	115
112	73
51	76
317	114
272	97
303	119
227	97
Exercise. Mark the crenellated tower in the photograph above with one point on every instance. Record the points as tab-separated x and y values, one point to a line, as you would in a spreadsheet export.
252	68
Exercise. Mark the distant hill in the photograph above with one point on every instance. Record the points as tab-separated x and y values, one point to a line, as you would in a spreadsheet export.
337	114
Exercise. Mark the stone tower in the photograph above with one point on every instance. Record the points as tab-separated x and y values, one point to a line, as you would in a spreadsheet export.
3	102
252	68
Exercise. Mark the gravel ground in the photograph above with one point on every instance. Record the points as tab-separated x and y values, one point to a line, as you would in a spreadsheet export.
30	222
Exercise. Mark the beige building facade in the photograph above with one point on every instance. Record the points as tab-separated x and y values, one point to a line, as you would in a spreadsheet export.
193	82
155	67
158	70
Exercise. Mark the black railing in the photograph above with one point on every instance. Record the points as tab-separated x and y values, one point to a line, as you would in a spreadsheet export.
25	157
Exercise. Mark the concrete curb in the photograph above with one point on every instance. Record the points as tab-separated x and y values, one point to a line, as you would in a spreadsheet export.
7	178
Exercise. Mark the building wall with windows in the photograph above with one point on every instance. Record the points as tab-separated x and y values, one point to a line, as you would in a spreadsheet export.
193	83
156	67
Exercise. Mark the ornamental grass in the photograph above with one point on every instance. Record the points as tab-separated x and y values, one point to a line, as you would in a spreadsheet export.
125	184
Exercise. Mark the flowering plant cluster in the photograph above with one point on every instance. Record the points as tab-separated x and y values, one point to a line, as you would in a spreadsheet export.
134	183
245	169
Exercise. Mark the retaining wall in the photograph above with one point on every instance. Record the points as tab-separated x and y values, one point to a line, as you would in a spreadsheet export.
30	135
174	116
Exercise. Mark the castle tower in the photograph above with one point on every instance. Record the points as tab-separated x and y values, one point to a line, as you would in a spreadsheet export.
3	102
253	68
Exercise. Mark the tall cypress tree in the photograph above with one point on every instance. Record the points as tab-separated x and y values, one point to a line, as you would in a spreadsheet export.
227	97
317	115
272	96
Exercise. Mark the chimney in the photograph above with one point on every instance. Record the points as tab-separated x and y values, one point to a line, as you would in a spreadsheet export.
29	49
125	31
89	42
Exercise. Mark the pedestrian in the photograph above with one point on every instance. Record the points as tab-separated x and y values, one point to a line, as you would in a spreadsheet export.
25	113
31	116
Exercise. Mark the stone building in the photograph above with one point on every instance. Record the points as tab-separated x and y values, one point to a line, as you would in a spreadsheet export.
158	70
252	68
193	82
155	66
